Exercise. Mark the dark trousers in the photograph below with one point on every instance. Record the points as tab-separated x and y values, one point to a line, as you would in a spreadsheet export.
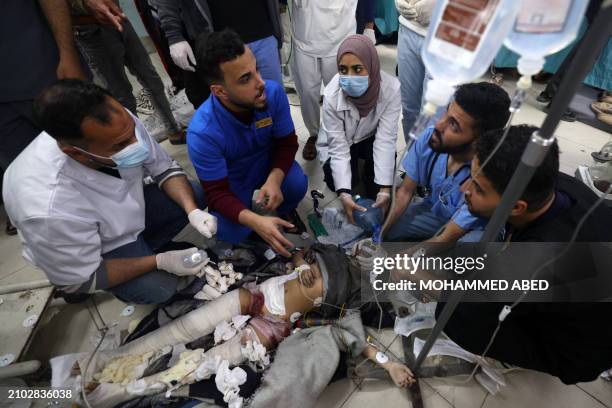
17	130
153	27
362	151
109	51
553	84
365	13
164	219
526	338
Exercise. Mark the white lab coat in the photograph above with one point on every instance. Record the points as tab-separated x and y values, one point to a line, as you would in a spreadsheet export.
342	127
68	214
318	28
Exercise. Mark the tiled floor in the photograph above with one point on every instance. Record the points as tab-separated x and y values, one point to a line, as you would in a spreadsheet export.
70	328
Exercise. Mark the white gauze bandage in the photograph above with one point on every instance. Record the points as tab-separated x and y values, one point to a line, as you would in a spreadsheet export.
274	293
187	328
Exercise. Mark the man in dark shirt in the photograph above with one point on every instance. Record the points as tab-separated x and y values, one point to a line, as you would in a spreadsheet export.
257	22
37	48
569	340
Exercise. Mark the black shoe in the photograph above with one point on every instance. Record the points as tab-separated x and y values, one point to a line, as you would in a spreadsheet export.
72	298
568	116
543	97
10	228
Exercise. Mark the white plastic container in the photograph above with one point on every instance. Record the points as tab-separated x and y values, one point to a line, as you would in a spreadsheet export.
464	37
543	27
195	259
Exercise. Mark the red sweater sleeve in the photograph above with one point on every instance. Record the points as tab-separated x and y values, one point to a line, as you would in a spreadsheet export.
221	199
283	152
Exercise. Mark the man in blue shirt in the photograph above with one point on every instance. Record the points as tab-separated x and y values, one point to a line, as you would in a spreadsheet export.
242	139
438	163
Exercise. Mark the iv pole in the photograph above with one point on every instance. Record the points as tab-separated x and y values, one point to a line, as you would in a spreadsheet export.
594	41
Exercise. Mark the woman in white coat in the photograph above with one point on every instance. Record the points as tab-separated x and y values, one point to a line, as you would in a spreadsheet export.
361	111
318	28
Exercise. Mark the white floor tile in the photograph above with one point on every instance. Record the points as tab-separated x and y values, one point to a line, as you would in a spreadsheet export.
377	392
335	394
530	389
470	395
23	275
10	255
600	390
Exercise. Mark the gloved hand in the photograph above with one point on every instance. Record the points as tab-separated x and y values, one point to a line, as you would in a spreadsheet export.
172	261
182	55
368	32
364	252
205	223
383	199
350	205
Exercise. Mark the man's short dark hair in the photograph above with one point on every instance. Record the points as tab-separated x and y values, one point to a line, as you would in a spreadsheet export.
488	104
501	166
61	108
213	49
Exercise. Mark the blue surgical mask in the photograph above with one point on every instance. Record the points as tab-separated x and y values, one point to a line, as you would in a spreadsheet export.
133	155
354	85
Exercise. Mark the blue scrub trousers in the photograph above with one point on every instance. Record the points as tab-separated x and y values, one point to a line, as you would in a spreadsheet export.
418	223
268	59
412	75
294	187
164	219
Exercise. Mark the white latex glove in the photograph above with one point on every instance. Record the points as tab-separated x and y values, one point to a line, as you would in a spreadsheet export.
382	200
172	261
365	251
182	55
350	205
205	223
368	32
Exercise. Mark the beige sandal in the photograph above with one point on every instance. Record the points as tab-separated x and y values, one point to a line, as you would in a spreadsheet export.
602	107
606	97
605	118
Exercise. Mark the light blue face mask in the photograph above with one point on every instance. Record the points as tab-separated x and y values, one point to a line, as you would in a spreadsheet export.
133	155
354	85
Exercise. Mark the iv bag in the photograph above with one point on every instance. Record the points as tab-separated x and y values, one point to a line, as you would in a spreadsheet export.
544	27
463	39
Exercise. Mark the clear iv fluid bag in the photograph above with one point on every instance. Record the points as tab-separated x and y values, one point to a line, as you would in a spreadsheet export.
463	39
544	27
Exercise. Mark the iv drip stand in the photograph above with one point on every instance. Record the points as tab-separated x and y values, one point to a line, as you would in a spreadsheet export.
595	40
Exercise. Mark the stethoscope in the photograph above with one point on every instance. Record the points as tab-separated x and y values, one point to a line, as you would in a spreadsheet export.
425	191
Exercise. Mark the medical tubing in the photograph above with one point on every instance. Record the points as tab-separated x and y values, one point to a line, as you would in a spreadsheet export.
594	41
508	309
103	331
421	122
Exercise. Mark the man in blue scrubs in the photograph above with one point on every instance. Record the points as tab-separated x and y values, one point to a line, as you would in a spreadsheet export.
438	163
242	139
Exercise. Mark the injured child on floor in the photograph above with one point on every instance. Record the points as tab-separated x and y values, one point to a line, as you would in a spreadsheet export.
248	323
